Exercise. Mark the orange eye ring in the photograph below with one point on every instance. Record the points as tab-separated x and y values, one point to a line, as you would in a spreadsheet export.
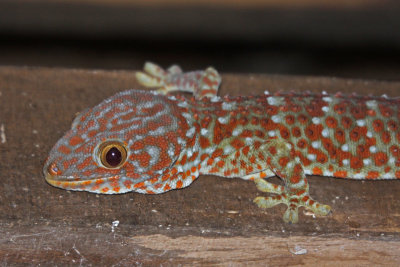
112	154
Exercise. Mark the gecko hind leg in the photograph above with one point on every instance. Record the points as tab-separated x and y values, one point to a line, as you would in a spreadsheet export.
201	83
278	157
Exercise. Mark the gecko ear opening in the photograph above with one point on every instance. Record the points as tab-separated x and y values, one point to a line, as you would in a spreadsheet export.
113	154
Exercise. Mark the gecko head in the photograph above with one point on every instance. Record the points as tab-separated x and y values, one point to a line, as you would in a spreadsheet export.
126	143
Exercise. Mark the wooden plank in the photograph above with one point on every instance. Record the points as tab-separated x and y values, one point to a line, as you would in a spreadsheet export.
42	224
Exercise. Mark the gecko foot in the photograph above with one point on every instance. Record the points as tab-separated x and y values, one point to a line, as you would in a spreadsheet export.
293	203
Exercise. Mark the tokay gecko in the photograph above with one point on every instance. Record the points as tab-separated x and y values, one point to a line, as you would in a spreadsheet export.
153	141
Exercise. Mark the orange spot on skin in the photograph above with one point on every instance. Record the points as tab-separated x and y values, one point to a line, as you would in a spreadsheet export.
204	142
259	133
283	161
340	108
296	132
372	175
263	175
378	125
317	171
356	163
139	185
75	140
386	137
302	143
358	112
340	174
203	157
183	160
346	122
302	118
385	110
313	131
220	164
167	187
127	184
331	122
116	189
64	149
69	163
246	133
179	184
284	132
397	174
340	136
237	143
289	119
105	189
357	132
217	153
392	126
380	158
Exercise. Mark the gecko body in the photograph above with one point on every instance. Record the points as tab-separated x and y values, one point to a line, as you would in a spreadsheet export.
152	142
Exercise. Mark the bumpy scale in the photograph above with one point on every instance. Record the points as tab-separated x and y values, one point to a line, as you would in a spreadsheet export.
152	141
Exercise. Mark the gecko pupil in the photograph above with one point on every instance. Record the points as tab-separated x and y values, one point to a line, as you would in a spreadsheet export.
114	157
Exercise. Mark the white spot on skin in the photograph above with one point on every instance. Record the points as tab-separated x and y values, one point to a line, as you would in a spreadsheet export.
392	160
372	149
183	104
360	122
236	132
311	157
190	132
249	140
3	138
366	161
223	120
371	103
369	134
266	92
345	147
325	132
316	120
276	118
327	99
273	100
228	150
228	106
325	109
315	144
172	98
215	99
271	133
327	173
345	162
203	131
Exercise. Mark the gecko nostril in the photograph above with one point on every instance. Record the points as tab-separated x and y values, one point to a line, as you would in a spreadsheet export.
53	169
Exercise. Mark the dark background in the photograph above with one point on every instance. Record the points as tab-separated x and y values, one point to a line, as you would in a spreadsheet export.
352	39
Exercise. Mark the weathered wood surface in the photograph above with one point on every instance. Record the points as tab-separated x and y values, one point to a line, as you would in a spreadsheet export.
212	221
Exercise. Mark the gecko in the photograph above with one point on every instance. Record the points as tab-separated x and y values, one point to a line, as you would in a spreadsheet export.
154	141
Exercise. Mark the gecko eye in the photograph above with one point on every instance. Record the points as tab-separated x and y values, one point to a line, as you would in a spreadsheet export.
112	154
